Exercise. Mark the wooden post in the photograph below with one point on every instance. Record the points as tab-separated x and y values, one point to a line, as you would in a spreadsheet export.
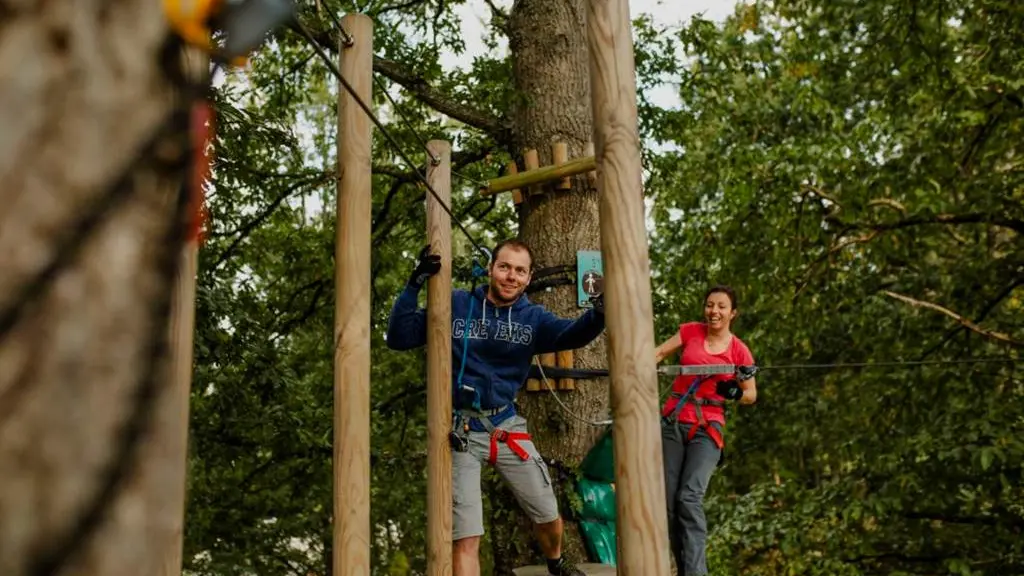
530	162
559	156
640	485
175	440
439	367
512	169
181	343
352	308
588	150
565	360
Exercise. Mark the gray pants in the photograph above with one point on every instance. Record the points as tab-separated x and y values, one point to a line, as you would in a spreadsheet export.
688	469
529	480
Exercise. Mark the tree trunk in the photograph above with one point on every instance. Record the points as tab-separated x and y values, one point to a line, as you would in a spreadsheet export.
92	220
548	44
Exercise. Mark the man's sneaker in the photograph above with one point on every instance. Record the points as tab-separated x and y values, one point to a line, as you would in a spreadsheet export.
564	568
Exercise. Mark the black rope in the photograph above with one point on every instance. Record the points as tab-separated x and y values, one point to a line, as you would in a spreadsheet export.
337	73
435	160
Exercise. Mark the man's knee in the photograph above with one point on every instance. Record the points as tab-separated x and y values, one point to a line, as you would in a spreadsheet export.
467	545
554	526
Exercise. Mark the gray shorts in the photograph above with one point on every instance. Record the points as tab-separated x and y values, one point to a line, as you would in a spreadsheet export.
528	479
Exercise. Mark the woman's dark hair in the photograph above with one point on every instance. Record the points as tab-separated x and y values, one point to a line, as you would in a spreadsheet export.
727	290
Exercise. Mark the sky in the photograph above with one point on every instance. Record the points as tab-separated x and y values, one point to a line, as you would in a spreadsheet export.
475	14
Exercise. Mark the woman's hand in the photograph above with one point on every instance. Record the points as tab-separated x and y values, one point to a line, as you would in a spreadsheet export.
667	347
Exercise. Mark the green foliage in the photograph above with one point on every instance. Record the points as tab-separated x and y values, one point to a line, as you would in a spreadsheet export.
825	156
833	156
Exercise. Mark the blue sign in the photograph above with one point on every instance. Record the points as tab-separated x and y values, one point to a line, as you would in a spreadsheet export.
589	276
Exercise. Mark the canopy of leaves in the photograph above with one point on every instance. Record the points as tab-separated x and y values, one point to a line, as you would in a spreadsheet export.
853	169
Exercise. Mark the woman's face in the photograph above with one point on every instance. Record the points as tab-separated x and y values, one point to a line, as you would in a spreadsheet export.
718	311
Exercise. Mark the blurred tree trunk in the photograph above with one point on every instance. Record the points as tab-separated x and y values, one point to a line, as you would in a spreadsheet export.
91	212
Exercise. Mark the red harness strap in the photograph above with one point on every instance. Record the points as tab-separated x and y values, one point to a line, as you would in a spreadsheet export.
512	440
713	432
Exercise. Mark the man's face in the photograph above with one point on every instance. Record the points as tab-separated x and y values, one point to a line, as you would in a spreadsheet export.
510	274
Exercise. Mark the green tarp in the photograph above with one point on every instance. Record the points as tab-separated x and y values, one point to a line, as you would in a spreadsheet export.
596	489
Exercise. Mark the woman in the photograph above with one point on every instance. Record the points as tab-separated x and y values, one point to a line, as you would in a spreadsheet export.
693	419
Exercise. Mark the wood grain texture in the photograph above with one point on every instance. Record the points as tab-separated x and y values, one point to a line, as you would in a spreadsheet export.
640	494
439	366
352	308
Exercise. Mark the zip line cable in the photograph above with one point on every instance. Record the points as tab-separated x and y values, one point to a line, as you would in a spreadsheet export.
345	83
394	105
348	40
725	369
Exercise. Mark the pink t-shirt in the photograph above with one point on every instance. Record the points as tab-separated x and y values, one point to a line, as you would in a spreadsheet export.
692	335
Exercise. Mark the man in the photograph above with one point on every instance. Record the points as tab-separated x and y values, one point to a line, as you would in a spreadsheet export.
496	331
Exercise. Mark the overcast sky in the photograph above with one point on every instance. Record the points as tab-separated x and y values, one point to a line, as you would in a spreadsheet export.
475	14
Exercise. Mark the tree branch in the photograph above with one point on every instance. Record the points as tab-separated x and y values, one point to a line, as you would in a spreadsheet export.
964	321
443	103
968	218
396	7
247	229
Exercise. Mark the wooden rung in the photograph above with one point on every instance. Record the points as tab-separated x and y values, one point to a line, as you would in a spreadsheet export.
511	170
534	384
559	156
588	150
534	176
530	162
565	360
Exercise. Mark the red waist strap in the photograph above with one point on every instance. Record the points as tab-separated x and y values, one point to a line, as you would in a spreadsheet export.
713	432
512	440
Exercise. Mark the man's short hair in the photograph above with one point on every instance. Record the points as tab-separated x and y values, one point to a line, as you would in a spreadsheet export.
515	244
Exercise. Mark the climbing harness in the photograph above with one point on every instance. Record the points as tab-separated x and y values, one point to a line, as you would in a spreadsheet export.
703	372
461	394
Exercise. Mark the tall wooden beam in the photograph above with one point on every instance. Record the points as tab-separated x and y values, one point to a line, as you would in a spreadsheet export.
174	439
352	308
439	366
640	485
170	436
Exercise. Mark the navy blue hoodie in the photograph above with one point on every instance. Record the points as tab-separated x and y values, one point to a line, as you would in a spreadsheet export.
501	341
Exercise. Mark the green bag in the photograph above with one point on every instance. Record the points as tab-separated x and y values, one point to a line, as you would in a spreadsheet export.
599	464
599	538
598	500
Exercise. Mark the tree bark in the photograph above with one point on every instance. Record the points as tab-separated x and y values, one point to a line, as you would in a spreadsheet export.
92	223
548	44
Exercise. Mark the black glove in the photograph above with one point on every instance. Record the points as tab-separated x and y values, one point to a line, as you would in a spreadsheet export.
598	303
729	389
427	265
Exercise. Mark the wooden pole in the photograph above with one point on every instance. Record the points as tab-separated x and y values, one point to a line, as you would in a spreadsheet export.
175	440
517	196
181	342
352	308
640	485
559	156
439	367
534	176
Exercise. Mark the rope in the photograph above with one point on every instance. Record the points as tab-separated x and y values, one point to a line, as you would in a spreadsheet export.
599	373
569	411
344	82
883	364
